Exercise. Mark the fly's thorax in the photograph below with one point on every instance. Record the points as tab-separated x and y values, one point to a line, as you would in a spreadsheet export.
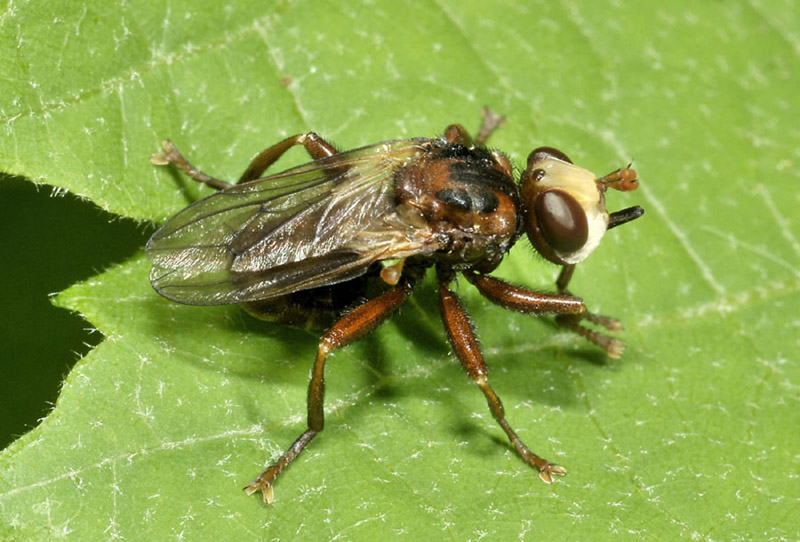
466	196
564	214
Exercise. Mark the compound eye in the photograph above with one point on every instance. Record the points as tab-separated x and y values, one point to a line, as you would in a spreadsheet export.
543	153
562	221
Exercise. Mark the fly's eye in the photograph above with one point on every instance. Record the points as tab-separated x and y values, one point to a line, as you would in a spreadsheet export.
561	220
563	206
542	153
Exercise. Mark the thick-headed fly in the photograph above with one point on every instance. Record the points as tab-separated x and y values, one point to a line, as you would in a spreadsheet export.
344	239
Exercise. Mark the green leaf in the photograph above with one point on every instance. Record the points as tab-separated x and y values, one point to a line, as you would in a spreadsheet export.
692	435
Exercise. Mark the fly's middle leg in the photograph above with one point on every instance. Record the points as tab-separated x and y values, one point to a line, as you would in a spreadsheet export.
466	347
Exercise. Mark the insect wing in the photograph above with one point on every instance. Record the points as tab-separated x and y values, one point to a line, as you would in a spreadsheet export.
314	225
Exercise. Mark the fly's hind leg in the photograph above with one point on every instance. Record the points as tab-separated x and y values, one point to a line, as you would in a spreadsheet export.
315	146
351	327
171	155
465	345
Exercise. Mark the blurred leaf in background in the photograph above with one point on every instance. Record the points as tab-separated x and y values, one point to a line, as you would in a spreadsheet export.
692	435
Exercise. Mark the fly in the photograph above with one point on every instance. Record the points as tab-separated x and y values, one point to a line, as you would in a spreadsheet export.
343	240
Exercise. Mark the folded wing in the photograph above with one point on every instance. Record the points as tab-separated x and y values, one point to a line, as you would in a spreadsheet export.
314	225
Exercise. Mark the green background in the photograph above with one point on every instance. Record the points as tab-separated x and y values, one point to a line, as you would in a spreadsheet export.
692	435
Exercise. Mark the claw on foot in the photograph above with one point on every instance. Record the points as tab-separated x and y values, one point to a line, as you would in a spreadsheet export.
547	471
166	157
264	487
614	348
159	159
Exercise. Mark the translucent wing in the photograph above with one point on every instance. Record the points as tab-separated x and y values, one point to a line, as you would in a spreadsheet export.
314	225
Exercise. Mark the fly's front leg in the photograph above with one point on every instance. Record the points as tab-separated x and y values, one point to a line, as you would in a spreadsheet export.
491	122
455	133
520	299
613	347
569	310
315	146
351	327
465	345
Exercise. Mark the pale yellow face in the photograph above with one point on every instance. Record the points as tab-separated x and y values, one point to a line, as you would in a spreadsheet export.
581	185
